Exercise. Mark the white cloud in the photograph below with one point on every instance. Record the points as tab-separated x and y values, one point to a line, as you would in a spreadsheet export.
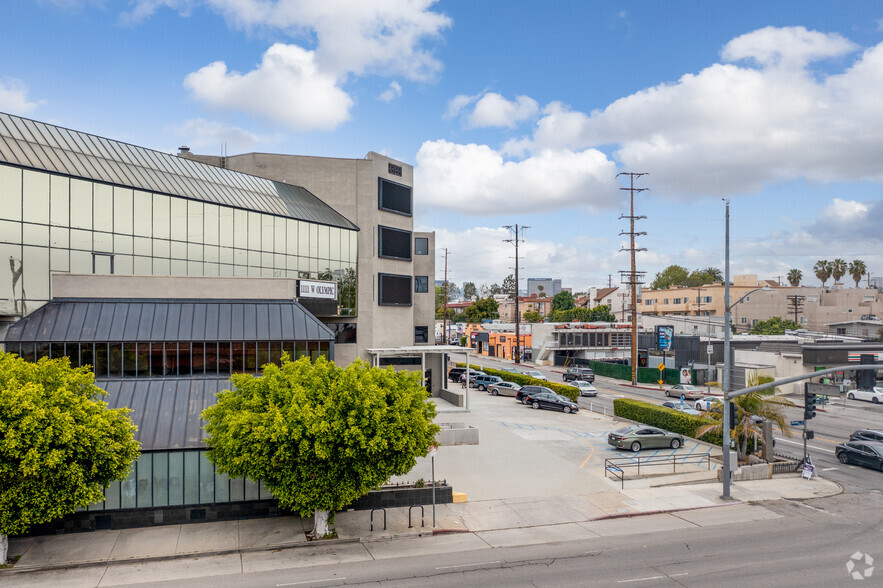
391	93
791	46
476	179
458	103
14	97
207	136
846	210
492	110
287	87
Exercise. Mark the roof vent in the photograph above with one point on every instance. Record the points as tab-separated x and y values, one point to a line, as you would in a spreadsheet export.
183	149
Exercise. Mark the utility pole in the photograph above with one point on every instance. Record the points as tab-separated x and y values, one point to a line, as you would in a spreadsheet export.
609	280
445	338
795	301
633	277
518	232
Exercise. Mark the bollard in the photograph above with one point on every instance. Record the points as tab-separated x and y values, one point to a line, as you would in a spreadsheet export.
372	518
420	506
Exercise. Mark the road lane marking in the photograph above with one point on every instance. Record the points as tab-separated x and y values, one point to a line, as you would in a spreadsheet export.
809	446
651	578
483	563
828	469
592	447
310	582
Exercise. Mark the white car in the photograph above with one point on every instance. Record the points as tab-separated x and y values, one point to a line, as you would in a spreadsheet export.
585	389
680	407
535	374
874	395
706	403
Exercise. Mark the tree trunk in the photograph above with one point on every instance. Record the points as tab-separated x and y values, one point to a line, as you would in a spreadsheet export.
4	547
320	525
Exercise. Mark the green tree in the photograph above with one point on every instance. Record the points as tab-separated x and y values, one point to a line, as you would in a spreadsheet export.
822	270
320	436
495	289
509	286
485	308
584	315
702	277
838	269
857	269
440	300
347	291
774	326
715	274
764	404
563	300
469	290
673	275
540	290
532	316
794	277
60	445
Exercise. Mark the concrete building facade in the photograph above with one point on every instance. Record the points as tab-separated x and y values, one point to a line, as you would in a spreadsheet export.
550	287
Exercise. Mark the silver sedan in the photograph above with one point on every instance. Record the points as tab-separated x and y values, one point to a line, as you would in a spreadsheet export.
504	389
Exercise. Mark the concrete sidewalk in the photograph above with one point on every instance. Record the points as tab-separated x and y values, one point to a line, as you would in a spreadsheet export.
494	523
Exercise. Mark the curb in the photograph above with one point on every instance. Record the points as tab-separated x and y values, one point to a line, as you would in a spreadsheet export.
628	515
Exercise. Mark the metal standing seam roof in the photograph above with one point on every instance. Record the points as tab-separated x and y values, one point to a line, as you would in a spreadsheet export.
166	410
42	146
87	320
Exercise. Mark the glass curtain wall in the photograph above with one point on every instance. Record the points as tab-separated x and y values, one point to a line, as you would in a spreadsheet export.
55	223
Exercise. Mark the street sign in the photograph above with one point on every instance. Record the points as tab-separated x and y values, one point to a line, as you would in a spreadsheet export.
660	382
432	451
710	350
796	423
660	367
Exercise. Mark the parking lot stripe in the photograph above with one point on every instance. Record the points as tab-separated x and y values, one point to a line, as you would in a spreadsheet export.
585	461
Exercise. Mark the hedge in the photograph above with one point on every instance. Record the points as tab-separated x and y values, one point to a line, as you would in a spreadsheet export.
647	375
525	380
665	418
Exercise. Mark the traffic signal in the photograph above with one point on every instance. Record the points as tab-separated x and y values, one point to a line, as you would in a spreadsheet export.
810	435
809	404
866	379
732	416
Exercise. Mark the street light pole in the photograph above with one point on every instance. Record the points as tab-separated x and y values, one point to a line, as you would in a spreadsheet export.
725	426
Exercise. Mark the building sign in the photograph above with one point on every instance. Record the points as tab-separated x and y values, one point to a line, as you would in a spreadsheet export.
314	289
395	170
855	356
664	335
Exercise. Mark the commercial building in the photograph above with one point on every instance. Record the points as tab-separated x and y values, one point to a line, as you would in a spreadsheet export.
558	343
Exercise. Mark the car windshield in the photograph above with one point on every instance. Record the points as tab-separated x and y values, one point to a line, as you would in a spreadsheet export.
560	398
690	388
626	430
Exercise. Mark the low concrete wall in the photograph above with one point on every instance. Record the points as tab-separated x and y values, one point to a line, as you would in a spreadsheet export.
454	398
457	434
761	471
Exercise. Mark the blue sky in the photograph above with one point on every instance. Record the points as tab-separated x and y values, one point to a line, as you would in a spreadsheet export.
512	112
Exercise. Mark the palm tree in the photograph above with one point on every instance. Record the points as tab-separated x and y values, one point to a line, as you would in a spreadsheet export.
857	269
822	270
838	269
794	277
716	275
764	404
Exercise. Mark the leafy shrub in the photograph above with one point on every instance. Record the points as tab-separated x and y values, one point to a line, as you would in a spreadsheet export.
525	380
664	418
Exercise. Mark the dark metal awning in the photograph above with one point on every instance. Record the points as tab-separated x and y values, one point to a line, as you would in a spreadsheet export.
86	320
166	411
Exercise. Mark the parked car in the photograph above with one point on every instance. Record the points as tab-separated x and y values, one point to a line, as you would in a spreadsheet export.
579	373
638	437
688	391
526	390
482	381
707	404
552	401
535	374
681	407
867	435
874	395
504	389
455	372
864	453
585	389
472	374
511	370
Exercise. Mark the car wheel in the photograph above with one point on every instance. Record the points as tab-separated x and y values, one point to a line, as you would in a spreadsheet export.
481	387
668	393
566	410
675	443
875	400
494	392
851	396
535	405
636	447
842	457
524	401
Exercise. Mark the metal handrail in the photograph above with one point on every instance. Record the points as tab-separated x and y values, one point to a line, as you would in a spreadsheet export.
616	465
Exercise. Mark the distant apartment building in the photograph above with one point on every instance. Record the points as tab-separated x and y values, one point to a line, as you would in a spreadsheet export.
506	308
543	287
616	298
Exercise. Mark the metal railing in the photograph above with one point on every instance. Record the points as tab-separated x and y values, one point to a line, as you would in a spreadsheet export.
616	465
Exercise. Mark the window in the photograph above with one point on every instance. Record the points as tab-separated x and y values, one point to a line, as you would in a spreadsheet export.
421	246
421	284
421	334
677	301
394	290
394	197
393	243
744	320
665	300
344	332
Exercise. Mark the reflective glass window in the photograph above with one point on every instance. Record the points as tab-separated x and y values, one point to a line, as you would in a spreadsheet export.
291	237
254	231
421	283
210	253
300	349
251	355
197	358
123	244
335	236
35	190
313	348
191	477
211	358
56	350
160	479
226	232
123	221
102	242
35	276
102	207
324	242
27	352
81	204
143	214
303	239
178	250
179	219
123	264
129	488
254	259
224	357
206	479
237	357
81	262
161	267
237	489
263	354
421	246
222	487
41	351
211	224
115	360
10	232
59	201
161	212
240	229
112	496
142	360
143	266
170	359
176	478
194	221
100	365
145	477
10	192
87	355
252	490
279	230
35	234
142	246
59	260
162	248
288	347
184	360
267	226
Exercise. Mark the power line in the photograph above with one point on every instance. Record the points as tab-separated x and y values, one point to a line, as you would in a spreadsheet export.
516	238
633	277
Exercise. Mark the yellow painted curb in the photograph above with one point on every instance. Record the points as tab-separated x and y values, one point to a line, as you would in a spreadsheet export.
459	496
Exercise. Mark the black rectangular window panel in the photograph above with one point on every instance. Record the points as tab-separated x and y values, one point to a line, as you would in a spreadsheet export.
384	361
421	283
143	359
238	357
344	332
394	290
197	360
263	354
211	357
130	360
421	246
394	197
184	359
393	243
421	334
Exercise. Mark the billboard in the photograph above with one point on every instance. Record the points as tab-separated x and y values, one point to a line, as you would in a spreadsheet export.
664	335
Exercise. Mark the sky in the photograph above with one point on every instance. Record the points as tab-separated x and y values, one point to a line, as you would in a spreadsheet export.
512	112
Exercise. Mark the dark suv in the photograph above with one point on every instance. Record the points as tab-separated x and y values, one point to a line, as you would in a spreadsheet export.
579	373
867	435
455	373
521	395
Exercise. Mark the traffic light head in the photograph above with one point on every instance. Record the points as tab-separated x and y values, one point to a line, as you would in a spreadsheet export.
809	405
732	416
